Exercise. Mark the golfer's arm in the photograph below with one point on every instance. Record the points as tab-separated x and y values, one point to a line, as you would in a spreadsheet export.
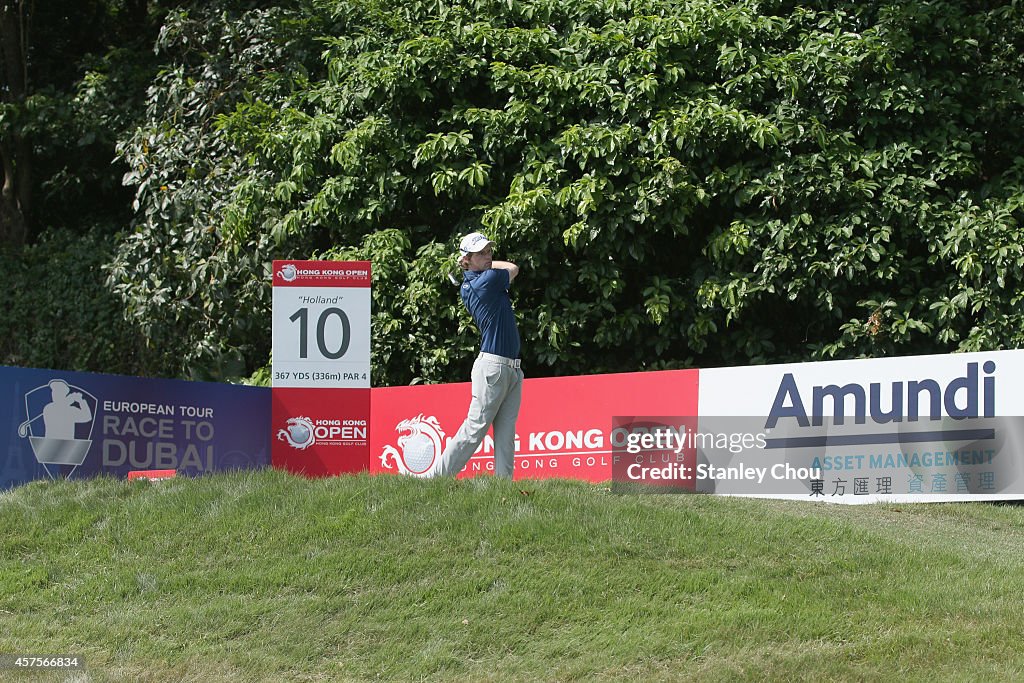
512	268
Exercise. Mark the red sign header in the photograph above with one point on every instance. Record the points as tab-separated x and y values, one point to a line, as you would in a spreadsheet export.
321	274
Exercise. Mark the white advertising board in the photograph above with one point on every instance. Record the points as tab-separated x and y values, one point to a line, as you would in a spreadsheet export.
911	429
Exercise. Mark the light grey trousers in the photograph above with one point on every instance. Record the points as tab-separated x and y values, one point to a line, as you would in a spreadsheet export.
497	393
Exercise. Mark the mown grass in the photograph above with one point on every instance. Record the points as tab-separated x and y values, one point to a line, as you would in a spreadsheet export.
267	576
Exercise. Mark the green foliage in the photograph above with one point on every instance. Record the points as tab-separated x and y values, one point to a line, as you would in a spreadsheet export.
59	128
682	182
67	96
203	305
58	312
77	131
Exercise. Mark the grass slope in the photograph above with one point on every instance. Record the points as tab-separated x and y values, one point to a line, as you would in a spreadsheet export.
266	576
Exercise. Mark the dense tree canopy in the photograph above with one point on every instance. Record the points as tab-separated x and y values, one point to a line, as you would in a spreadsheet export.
72	80
683	182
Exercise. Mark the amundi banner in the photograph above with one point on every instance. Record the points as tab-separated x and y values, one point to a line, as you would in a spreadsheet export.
911	429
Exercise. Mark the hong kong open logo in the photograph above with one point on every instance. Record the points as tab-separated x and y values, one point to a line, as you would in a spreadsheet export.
421	446
299	433
59	419
288	272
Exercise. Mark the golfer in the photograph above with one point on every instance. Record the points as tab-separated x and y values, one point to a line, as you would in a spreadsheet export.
497	377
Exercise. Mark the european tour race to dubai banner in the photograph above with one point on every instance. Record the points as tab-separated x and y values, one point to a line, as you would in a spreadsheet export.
568	427
321	366
912	429
71	425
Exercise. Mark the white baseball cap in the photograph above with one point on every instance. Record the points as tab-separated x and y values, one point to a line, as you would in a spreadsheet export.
474	242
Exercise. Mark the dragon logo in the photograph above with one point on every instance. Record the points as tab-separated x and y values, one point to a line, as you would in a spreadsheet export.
288	272
421	446
299	433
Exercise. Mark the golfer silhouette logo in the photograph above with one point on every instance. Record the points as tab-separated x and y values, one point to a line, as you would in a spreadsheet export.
67	414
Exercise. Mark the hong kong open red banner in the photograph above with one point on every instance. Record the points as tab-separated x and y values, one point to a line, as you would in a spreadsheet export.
565	426
320	432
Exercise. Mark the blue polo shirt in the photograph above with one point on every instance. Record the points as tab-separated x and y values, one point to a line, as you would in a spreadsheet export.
486	297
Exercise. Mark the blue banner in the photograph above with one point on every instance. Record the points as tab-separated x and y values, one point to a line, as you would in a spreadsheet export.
69	425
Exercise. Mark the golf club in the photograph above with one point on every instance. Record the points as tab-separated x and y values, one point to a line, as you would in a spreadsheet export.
23	427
